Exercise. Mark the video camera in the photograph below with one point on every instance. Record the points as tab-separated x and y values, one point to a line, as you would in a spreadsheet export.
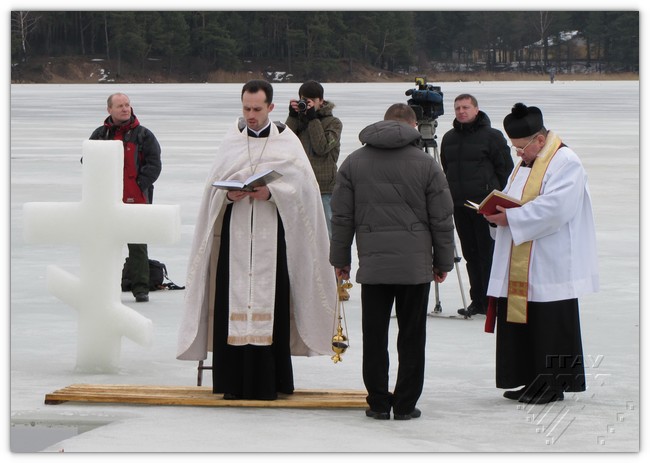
426	101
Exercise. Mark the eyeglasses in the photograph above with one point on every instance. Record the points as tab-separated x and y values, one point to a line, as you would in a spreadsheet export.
521	150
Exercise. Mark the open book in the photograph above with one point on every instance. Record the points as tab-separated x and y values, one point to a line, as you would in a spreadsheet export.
496	198
252	182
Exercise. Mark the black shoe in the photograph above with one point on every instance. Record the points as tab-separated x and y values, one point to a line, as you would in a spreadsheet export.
542	397
472	309
416	413
377	415
229	396
515	395
142	297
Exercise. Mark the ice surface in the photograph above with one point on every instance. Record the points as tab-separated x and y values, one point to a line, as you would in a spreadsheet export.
462	410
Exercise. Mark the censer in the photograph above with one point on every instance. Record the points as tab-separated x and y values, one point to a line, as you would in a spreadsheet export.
340	339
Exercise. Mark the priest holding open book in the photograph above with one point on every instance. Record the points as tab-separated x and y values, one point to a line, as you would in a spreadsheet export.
259	287
544	259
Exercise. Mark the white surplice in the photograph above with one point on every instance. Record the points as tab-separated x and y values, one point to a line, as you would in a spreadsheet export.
563	263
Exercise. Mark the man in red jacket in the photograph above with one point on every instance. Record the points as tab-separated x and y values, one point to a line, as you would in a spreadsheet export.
142	166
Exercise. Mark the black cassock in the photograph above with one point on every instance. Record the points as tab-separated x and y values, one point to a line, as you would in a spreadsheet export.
546	351
251	372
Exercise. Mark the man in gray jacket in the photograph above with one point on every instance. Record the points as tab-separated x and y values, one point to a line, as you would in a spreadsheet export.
395	198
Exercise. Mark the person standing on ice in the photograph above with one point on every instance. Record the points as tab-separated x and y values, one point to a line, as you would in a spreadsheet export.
319	132
476	160
142	166
259	286
394	198
544	259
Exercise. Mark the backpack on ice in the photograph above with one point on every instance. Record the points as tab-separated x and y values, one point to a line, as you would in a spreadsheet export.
157	277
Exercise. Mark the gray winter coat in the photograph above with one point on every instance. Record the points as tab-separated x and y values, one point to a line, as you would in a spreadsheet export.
395	198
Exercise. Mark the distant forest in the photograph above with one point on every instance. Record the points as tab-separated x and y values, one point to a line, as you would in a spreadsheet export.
396	41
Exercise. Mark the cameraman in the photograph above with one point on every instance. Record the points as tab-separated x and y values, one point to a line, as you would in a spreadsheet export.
311	119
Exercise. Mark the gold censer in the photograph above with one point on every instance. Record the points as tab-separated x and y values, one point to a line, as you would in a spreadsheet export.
340	339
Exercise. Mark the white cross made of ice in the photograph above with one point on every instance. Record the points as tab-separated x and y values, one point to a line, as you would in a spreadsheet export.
100	224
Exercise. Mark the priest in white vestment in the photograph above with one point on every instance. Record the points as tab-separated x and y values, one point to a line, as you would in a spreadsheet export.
544	260
259	284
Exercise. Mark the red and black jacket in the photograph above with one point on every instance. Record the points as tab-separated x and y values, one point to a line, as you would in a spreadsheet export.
142	162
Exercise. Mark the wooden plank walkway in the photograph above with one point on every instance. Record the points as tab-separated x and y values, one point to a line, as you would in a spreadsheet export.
201	396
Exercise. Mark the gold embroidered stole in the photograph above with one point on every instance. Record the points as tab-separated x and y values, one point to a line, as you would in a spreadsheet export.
253	256
520	255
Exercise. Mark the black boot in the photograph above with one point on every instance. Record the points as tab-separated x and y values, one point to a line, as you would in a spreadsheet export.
473	309
515	395
542	396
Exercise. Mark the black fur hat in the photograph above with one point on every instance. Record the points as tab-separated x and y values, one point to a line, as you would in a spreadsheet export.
524	121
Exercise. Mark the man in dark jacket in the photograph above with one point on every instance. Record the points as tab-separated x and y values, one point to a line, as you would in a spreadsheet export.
319	132
476	159
142	166
395	198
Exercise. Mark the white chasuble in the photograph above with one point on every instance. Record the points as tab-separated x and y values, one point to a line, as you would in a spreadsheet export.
296	199
253	256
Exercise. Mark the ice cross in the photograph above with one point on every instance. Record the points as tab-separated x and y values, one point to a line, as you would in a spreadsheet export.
101	224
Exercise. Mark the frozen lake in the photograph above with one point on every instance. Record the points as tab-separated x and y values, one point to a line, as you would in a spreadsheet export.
462	410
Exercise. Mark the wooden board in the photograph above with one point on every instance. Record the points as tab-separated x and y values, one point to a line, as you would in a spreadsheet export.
201	396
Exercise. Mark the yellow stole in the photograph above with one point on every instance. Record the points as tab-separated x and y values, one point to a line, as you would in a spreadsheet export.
520	255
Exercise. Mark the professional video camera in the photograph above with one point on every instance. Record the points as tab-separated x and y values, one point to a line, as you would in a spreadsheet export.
426	101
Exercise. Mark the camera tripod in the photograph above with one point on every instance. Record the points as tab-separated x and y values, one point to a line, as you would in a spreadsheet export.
427	129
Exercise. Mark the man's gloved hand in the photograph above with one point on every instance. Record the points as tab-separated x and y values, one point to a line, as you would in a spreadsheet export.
310	114
293	112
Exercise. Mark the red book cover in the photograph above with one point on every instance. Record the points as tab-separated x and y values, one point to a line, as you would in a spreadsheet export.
496	198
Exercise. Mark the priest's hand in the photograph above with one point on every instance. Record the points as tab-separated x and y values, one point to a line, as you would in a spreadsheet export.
500	218
261	193
236	195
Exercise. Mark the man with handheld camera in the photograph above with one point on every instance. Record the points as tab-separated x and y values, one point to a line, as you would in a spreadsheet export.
311	119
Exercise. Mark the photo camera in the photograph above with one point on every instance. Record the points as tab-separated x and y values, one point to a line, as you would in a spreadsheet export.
302	105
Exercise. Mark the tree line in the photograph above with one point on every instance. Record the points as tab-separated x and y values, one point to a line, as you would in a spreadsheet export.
315	42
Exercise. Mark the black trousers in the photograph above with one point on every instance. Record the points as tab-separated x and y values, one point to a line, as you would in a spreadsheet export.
137	268
477	246
411	302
